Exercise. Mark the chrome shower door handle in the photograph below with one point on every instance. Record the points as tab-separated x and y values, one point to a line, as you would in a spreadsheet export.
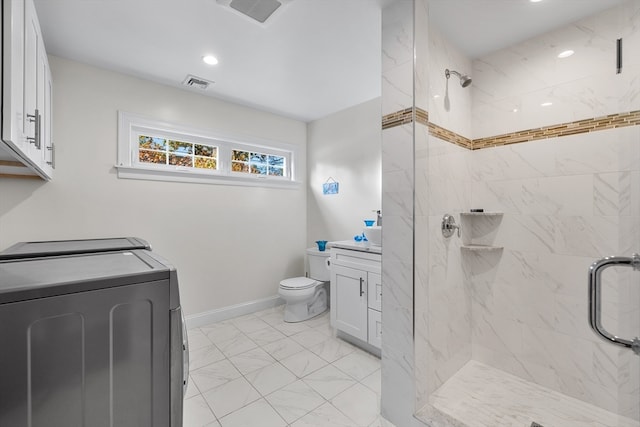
595	298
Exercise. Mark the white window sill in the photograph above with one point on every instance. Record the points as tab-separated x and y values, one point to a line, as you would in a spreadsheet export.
152	174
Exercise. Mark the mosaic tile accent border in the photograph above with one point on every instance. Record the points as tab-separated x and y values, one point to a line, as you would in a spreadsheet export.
398	118
422	116
450	136
404	117
611	121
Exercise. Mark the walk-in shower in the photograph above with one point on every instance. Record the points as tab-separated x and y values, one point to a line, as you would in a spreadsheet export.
539	165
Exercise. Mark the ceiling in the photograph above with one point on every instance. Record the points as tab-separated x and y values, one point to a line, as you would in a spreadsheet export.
479	27
310	59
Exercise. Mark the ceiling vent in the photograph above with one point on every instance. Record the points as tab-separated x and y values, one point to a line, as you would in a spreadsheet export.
196	82
259	10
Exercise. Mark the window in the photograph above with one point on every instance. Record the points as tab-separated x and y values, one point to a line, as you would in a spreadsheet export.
161	151
149	149
257	163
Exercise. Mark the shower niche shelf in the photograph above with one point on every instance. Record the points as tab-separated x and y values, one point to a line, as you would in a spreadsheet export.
481	248
479	230
480	214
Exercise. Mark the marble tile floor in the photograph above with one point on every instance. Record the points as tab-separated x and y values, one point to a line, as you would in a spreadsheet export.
481	396
258	371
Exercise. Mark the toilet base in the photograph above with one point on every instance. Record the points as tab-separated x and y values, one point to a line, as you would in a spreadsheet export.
305	310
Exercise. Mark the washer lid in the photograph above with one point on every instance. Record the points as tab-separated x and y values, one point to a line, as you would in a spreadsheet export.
297	283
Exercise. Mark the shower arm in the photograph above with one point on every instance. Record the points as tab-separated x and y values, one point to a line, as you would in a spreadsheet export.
448	73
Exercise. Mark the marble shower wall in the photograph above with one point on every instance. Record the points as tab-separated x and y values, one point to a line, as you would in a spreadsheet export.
443	302
454	114
584	85
566	201
398	215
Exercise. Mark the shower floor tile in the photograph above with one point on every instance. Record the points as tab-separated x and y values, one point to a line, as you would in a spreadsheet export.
481	396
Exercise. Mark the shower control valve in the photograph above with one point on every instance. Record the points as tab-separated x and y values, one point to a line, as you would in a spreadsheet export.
449	226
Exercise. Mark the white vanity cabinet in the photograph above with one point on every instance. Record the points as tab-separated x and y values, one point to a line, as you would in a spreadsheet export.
26	95
356	294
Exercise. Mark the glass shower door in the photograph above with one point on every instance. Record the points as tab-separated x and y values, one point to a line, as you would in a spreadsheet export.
546	140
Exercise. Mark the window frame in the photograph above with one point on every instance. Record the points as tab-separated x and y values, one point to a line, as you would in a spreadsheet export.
131	126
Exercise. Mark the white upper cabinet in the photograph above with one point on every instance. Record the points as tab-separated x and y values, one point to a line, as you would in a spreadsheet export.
26	97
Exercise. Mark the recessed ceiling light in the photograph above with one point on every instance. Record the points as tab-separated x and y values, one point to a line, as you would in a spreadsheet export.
436	96
566	53
515	110
210	59
546	104
535	1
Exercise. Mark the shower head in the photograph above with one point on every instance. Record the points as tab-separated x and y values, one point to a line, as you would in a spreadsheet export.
464	79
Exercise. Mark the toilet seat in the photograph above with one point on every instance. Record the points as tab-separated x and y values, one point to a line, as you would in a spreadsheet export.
299	283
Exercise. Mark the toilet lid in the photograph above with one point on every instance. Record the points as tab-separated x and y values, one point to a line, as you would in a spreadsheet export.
297	283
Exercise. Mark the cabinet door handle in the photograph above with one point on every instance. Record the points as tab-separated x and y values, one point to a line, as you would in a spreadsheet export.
52	149
361	287
37	118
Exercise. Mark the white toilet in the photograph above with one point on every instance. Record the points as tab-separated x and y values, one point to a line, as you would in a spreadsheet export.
306	297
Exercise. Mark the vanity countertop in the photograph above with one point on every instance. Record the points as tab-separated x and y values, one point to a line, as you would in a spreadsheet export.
356	246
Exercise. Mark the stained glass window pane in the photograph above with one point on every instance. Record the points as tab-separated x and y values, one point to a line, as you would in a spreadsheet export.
180	147
205	163
178	160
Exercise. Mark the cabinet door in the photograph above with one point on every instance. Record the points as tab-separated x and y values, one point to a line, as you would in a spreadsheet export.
49	148
375	328
375	291
24	73
30	112
13	38
350	302
43	97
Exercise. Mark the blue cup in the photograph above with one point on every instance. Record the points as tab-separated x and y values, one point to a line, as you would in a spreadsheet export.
322	245
369	222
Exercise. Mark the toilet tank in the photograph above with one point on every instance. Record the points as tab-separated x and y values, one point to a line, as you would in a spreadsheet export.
318	264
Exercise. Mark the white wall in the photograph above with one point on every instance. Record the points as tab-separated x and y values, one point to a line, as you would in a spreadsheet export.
346	146
231	244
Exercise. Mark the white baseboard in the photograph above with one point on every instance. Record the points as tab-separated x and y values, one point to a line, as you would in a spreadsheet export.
224	313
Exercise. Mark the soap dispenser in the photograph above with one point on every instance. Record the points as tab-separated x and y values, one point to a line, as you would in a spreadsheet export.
379	220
